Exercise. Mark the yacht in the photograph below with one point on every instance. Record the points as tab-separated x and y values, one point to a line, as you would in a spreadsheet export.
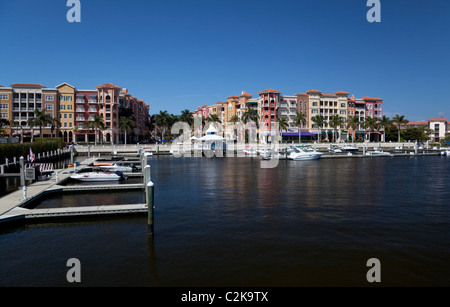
378	152
304	153
98	176
112	167
349	148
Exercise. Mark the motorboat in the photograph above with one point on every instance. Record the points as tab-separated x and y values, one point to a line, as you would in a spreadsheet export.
378	152
304	153
445	152
112	167
250	152
98	176
268	155
349	148
334	149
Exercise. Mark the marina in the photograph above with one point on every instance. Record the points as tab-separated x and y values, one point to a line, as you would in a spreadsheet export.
311	223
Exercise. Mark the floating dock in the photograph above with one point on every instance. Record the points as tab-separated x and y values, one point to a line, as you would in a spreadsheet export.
13	205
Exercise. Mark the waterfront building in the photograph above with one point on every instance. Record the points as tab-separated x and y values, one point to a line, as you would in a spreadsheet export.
27	97
438	127
86	108
66	93
6	110
268	102
108	100
138	110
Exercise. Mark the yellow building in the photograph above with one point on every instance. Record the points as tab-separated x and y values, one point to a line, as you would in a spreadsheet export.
6	107
66	97
230	107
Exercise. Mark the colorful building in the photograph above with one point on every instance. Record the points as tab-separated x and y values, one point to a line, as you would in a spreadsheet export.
66	94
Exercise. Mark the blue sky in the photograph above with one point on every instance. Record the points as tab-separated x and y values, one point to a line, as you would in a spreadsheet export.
180	54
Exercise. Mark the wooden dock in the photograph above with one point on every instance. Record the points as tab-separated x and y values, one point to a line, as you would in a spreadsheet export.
12	206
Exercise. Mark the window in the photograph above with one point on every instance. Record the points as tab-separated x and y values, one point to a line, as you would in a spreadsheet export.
65	125
4	97
69	107
49	106
314	111
62	107
314	104
343	105
65	115
70	115
4	106
49	97
70	125
4	115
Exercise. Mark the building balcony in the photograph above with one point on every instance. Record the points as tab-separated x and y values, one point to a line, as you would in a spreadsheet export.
93	110
80	110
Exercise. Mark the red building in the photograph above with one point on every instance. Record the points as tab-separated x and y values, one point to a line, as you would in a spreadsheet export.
269	100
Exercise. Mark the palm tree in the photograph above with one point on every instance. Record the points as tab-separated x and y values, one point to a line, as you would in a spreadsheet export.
384	122
97	123
250	115
370	124
300	121
187	117
318	120
336	122
353	122
400	120
126	124
163	121
234	119
283	124
40	119
213	118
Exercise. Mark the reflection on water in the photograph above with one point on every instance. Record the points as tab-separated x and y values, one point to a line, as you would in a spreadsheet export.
87	199
227	222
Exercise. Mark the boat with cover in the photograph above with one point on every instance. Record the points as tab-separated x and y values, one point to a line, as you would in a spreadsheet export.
98	176
378	152
112	167
349	148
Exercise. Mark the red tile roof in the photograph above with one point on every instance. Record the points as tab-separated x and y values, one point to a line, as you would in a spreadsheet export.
244	93
313	91
329	95
270	91
300	94
27	85
232	96
437	119
108	85
417	123
341	93
370	98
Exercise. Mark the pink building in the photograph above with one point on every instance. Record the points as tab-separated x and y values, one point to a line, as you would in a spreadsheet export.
108	95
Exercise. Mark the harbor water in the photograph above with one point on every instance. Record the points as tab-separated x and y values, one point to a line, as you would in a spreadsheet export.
229	222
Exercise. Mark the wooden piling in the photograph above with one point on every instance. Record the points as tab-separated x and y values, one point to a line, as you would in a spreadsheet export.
151	207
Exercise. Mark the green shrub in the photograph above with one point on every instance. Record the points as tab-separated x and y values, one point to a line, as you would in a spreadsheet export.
39	146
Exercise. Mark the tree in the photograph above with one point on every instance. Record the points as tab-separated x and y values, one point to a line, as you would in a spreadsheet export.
234	119
250	115
318	120
187	117
300	121
96	124
400	121
336	122
370	124
353	122
126	124
213	118
283	124
384	122
40	119
163	120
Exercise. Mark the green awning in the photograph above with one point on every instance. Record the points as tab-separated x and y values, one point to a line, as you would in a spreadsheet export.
360	132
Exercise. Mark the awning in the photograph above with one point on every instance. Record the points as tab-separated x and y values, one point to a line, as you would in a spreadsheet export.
296	134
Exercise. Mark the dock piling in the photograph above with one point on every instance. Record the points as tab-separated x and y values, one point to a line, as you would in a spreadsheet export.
22	172
151	207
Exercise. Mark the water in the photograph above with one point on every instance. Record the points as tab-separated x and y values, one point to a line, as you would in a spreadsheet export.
227	222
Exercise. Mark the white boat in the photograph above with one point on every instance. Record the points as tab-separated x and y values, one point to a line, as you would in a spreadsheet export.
334	149
304	153
349	148
116	167
270	155
98	176
377	152
250	152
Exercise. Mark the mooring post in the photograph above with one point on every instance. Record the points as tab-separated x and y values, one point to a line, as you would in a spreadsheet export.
24	192
151	206
364	149
56	176
22	173
147	175
89	150
7	161
71	154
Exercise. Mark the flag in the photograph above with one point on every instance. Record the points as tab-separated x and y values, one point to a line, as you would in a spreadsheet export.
31	156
